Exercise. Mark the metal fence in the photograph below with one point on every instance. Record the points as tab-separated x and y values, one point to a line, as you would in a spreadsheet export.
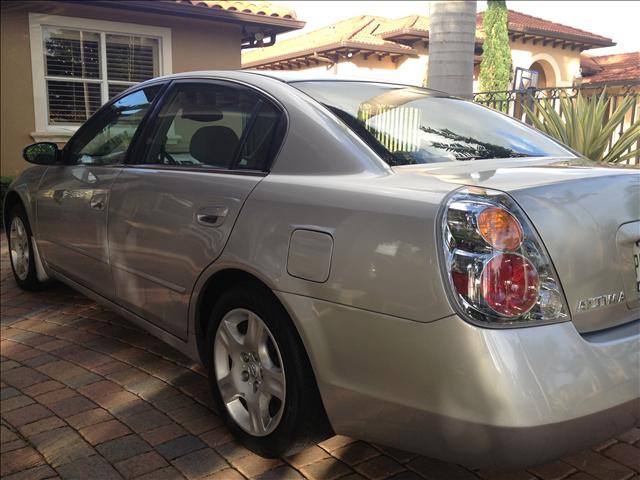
512	103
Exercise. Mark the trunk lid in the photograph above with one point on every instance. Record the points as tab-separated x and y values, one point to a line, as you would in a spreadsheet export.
587	215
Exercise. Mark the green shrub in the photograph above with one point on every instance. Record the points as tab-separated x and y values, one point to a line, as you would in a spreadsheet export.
495	69
584	124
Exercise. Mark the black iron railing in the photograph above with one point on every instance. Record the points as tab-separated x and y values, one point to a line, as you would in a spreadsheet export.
512	103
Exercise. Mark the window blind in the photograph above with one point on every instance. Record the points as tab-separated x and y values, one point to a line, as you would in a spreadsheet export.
131	59
84	69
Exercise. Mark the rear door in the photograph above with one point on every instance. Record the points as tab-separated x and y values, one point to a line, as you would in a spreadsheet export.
172	209
73	198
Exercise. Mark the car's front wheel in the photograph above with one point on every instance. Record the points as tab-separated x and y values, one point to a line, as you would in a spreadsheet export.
21	250
260	376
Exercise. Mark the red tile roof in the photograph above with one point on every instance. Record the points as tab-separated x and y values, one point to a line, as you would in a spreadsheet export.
267	9
610	69
258	16
386	35
356	32
414	24
521	22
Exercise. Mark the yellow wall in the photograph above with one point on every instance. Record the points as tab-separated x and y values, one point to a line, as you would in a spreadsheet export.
411	70
563	63
196	45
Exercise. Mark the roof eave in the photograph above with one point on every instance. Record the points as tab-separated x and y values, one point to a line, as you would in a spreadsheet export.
406	32
579	39
325	49
272	23
631	82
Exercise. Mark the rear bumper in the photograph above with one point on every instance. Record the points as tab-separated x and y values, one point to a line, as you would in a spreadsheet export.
450	390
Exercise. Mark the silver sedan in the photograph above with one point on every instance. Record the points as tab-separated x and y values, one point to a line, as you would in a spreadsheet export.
369	259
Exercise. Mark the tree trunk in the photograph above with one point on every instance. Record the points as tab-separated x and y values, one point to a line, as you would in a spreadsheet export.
452	34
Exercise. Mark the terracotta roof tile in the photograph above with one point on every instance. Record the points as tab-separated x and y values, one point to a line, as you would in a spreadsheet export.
522	22
588	65
369	32
267	9
616	68
412	22
357	32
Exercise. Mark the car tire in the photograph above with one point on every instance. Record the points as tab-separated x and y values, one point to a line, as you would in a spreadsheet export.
21	252
300	417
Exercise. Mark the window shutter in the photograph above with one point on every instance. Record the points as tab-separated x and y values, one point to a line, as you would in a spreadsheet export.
71	53
72	67
72	102
75	65
130	59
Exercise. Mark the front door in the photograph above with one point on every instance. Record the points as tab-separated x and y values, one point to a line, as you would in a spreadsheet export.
172	211
73	198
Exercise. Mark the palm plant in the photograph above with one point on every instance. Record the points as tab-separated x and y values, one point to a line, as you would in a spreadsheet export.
583	125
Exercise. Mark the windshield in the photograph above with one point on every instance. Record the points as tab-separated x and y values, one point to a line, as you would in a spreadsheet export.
409	125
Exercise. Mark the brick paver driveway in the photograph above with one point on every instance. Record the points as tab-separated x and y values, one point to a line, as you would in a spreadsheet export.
86	395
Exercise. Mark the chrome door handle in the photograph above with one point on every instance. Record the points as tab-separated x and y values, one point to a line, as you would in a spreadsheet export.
97	201
212	216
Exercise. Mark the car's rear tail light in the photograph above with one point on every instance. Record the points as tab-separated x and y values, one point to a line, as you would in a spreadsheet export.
509	284
497	270
499	228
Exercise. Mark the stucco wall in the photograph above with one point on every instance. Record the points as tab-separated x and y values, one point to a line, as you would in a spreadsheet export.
563	64
196	45
409	70
16	91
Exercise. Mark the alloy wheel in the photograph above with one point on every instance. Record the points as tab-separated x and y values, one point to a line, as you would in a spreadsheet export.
19	248
249	372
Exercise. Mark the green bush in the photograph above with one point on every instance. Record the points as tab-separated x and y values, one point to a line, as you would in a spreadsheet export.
4	187
495	69
585	124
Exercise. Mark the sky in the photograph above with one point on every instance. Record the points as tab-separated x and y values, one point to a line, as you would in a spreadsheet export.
617	20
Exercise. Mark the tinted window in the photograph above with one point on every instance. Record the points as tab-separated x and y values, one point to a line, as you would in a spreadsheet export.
106	138
408	125
215	126
258	147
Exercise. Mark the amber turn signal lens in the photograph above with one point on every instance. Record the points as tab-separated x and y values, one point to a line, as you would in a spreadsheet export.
500	229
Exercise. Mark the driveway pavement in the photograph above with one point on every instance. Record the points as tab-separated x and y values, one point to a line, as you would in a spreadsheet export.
86	395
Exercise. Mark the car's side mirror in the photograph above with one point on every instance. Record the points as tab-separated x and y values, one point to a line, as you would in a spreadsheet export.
42	153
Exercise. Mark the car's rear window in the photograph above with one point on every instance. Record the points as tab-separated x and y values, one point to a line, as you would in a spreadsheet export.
409	125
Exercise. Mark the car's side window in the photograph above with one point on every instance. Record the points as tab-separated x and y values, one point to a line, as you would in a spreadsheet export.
257	147
213	125
106	139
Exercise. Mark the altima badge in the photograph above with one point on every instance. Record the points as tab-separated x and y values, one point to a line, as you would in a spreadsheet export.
592	303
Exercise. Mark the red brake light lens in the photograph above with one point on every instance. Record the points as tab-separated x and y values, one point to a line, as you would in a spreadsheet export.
509	284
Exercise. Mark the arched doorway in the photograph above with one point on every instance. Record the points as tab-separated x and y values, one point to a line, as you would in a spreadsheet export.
542	78
546	75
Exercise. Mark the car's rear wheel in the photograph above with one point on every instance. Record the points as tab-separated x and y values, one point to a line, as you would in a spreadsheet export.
21	250
260	376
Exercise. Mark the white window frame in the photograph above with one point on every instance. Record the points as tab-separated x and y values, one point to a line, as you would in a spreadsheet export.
37	22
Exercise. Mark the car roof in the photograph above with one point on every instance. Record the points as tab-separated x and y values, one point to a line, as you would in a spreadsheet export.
290	77
306	76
